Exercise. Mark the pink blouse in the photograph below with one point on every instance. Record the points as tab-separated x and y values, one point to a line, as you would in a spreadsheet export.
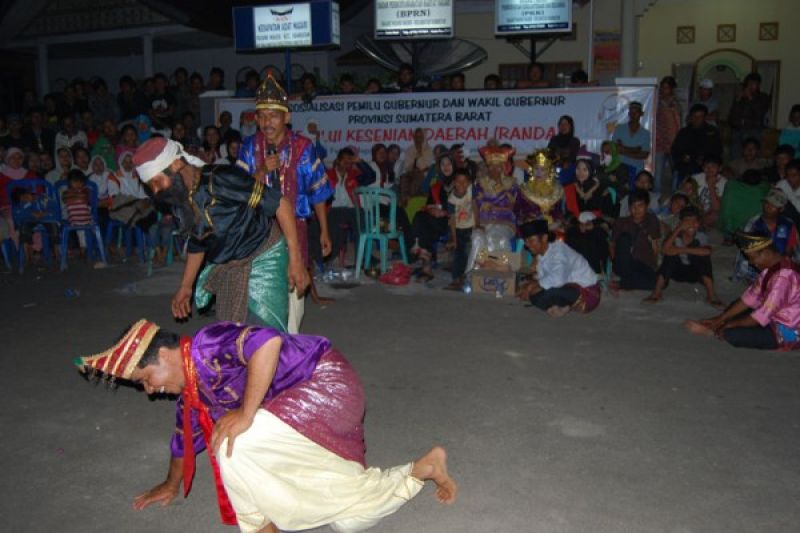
782	301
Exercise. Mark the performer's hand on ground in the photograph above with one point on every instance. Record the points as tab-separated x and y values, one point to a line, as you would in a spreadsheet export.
229	426
298	277
325	243
162	493
182	303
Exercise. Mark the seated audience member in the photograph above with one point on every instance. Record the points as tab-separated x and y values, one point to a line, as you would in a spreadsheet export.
790	135
613	175
82	158
419	156
710	189
670	219
535	80
790	185
565	145
431	224
586	193
644	182
635	245
343	177
70	136
767	315
128	140
63	165
31	210
741	201
442	171
687	258
770	222
463	219
37	136
750	159
589	239
633	139
230	149
379	173
695	142
563	280
130	204
101	177
777	171
212	141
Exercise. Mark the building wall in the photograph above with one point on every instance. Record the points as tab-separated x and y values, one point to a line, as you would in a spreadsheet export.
658	49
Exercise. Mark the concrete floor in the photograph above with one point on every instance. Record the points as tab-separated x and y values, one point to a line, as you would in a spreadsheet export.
613	422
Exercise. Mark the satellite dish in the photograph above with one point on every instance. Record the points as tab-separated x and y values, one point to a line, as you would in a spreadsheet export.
429	58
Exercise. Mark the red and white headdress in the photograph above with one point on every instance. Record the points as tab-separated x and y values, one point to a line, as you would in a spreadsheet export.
120	360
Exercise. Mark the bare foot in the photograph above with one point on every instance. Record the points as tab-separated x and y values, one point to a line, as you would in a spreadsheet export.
433	466
559	311
653	298
698	328
269	529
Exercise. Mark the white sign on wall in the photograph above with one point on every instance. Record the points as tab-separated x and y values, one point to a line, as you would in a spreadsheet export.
396	19
281	26
526	119
532	16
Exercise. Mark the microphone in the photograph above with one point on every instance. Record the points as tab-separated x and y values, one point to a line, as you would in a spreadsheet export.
272	177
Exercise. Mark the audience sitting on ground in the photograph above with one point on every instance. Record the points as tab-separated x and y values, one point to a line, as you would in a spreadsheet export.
563	280
590	239
670	218
635	241
686	258
643	182
767	315
770	222
710	189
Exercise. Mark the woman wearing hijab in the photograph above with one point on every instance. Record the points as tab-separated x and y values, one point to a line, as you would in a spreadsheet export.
12	171
63	164
565	145
101	177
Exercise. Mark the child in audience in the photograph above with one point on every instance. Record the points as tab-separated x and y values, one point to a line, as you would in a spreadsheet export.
463	218
670	219
76	204
687	258
710	189
31	211
644	182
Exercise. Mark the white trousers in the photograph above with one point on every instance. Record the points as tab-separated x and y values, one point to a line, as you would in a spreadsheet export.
276	475
297	308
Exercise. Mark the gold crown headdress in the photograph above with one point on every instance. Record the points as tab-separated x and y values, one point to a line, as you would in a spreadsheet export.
120	360
752	242
270	95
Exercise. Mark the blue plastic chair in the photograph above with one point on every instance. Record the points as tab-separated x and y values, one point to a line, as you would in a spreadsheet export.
94	240
368	217
36	186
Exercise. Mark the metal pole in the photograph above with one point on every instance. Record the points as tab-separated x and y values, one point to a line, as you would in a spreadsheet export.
590	61
533	49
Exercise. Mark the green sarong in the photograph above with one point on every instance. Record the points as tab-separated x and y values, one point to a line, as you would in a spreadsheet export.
267	289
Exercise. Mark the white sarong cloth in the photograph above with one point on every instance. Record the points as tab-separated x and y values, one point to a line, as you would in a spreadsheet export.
276	475
297	309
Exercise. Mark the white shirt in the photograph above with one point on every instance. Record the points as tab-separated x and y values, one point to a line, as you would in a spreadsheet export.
792	194
101	180
64	140
340	196
702	189
128	186
462	209
560	265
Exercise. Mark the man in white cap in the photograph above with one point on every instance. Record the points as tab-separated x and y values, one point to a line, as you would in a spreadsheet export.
705	96
229	220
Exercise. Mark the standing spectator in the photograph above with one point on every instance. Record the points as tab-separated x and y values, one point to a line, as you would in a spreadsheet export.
564	145
633	139
29	101
705	96
36	136
406	80
181	91
346	85
634	245
463	218
747	117
102	103
216	79
668	123
791	133
373	86
51	111
492	82
196	88
192	139
70	136
536	79
694	142
127	101
460	160
76	201
162	104
343	177
457	82
251	81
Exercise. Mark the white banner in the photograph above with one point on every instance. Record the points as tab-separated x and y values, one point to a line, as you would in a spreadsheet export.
282	25
526	119
532	16
413	18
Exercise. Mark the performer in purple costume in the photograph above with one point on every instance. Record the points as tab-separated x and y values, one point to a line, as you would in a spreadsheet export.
282	419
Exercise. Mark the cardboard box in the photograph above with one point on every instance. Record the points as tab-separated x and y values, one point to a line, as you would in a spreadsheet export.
494	282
